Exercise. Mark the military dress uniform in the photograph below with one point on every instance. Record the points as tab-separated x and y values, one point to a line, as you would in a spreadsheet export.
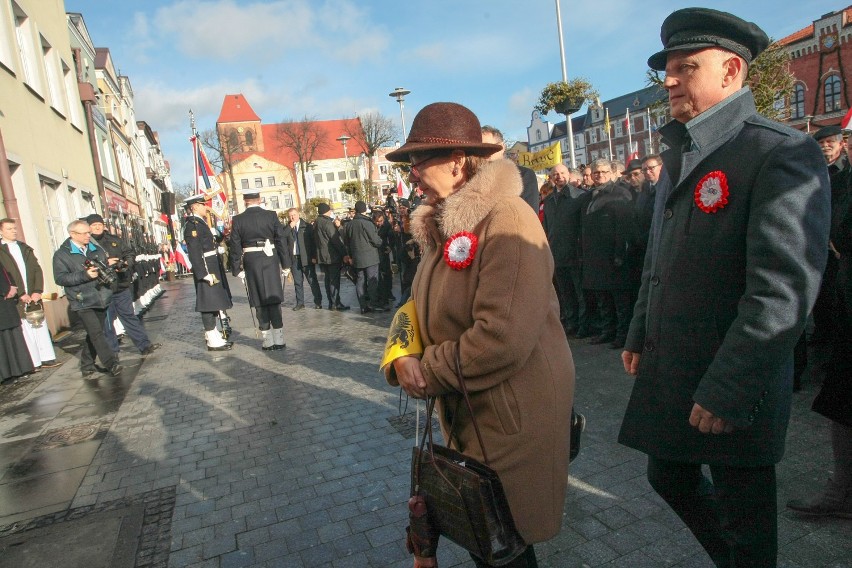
260	250
203	252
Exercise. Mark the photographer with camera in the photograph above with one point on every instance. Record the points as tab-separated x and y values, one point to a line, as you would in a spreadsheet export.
75	267
121	305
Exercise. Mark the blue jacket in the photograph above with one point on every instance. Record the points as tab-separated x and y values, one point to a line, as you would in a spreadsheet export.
69	271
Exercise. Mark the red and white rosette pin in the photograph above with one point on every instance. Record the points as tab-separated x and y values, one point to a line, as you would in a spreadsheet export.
711	193
459	250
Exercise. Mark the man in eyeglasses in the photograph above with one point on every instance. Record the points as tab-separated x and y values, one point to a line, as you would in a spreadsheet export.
87	294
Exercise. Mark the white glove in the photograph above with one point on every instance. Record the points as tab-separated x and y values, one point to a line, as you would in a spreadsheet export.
221	249
286	272
242	275
209	279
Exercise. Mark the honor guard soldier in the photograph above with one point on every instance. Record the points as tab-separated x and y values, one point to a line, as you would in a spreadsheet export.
212	293
259	253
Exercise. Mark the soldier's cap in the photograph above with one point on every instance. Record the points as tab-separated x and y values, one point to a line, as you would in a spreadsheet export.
189	202
633	165
252	193
94	218
827	131
691	29
323	208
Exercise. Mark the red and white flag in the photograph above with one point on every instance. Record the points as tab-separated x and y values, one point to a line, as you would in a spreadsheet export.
205	180
401	189
845	123
182	258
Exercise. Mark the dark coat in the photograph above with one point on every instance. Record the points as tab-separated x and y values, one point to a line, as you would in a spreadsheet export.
725	295
9	318
307	243
35	276
330	247
363	241
252	228
530	191
69	270
562	214
607	233
199	240
116	248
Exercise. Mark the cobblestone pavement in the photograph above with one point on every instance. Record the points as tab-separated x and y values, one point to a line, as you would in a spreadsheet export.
297	458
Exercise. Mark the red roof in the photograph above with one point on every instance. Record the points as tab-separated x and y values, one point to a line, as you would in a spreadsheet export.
235	108
330	150
808	32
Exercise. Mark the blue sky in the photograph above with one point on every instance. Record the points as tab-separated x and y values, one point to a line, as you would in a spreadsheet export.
330	59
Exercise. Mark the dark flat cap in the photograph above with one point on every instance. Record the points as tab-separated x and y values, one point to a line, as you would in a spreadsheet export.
634	164
827	131
691	29
323	208
94	218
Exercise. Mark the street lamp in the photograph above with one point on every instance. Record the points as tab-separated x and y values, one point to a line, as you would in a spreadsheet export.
809	118
568	124
399	94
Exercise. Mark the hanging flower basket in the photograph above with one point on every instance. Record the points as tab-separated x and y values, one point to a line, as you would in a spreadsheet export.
566	98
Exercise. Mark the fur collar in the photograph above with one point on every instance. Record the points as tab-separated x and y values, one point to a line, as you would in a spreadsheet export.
466	208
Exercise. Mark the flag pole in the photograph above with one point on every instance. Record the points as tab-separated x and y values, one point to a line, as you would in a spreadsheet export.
608	135
629	130
650	140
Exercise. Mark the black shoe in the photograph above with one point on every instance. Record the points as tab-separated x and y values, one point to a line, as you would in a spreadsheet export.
318	307
617	344
366	310
298	307
226	347
578	425
279	347
584	333
602	339
87	372
379	308
151	348
116	370
51	364
341	308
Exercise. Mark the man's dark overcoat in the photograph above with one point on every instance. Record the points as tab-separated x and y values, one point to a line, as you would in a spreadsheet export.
35	276
330	247
725	295
307	244
562	214
363	241
252	228
607	232
199	241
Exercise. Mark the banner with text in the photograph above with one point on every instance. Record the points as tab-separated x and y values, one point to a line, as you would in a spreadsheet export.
542	159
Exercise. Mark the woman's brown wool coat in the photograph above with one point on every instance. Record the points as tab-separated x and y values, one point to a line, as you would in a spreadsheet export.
501	312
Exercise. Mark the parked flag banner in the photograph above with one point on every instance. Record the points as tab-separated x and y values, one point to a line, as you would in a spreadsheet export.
543	159
401	188
845	123
206	182
606	123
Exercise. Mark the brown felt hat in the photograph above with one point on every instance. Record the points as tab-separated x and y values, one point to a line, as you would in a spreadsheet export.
444	127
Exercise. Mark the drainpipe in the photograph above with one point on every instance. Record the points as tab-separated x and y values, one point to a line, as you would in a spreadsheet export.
10	203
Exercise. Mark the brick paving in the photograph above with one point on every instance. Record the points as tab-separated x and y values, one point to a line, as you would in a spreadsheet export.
295	458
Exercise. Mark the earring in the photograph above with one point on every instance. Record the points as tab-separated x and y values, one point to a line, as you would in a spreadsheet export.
455	171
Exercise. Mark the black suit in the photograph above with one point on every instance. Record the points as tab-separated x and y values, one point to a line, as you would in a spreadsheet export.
304	262
330	253
251	230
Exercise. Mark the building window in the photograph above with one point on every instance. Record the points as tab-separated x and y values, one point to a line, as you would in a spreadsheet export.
244	183
317	178
258	182
270	181
273	202
538	135
329	176
341	176
70	80
233	141
797	102
55	83
26	48
832	93
288	201
353	174
249	138
7	53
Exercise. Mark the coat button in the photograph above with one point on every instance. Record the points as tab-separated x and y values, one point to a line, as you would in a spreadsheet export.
667	214
751	417
655	280
649	346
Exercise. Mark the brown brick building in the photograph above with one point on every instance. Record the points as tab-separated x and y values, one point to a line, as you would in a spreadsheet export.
822	64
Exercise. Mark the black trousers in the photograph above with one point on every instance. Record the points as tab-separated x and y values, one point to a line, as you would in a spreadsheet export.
269	314
96	344
301	271
734	517
367	287
121	306
208	320
331	275
526	560
572	302
616	310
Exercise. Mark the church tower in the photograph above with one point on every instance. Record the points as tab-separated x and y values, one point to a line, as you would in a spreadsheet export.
238	126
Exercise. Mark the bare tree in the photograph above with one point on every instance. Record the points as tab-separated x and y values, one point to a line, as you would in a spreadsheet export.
183	191
376	131
304	138
221	151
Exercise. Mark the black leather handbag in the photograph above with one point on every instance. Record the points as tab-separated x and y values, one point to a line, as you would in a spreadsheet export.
464	498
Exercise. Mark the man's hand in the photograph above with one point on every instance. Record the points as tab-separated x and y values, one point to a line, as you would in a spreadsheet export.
313	261
285	272
112	261
208	278
92	272
347	260
631	362
26	298
242	275
410	376
34	297
707	423
13	291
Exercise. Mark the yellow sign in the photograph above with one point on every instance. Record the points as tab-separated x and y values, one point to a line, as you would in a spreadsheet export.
542	159
403	336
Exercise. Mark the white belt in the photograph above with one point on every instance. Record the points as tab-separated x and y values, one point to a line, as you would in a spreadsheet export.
253	249
211	253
